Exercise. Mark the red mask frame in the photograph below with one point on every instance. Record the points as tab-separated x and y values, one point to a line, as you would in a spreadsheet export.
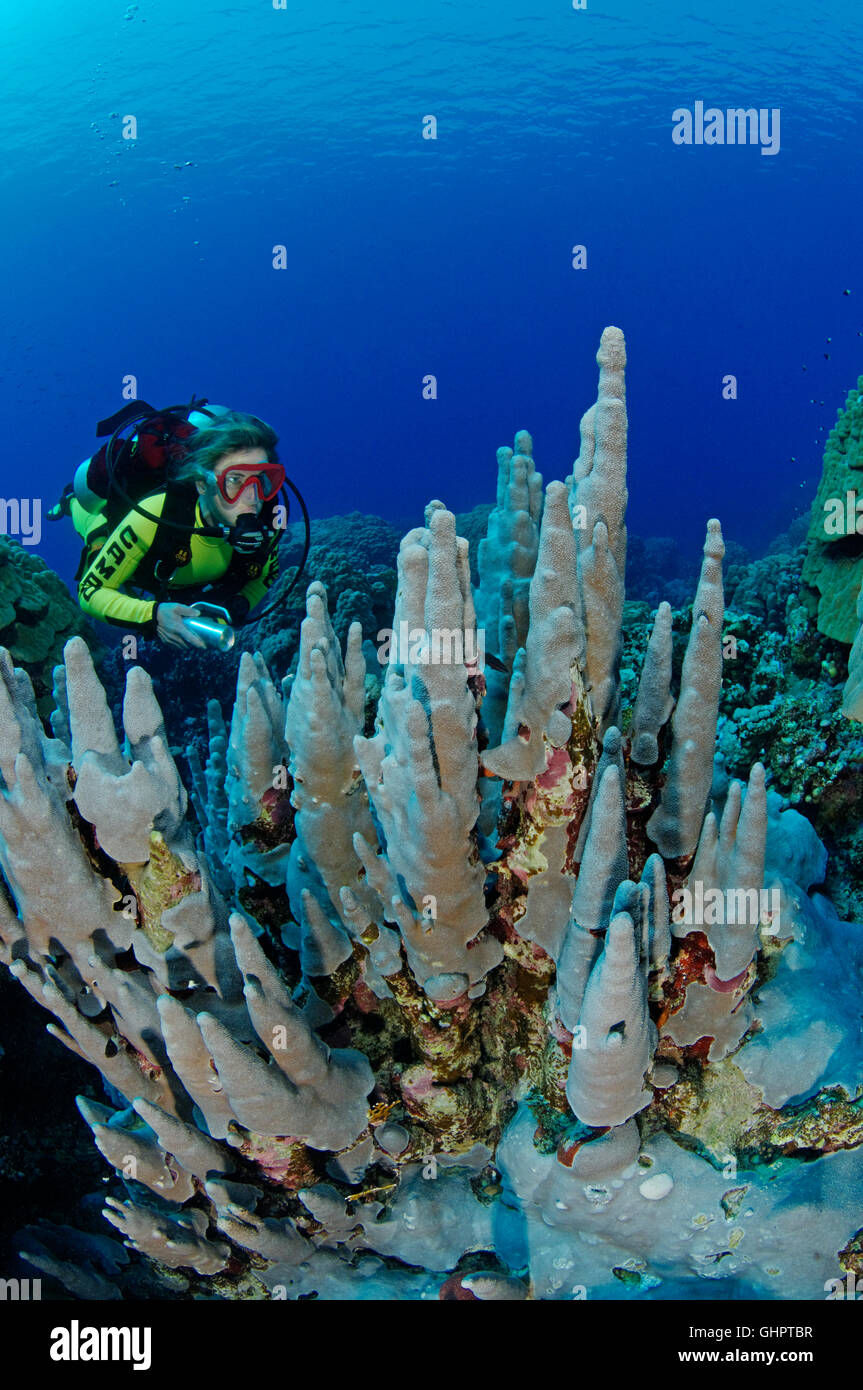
266	478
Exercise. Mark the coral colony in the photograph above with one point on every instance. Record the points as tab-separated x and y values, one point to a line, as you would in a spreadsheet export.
518	996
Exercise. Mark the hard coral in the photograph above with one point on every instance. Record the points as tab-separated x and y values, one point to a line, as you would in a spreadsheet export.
833	568
415	1004
37	616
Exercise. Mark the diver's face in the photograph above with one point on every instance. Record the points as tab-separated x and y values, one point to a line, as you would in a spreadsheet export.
247	503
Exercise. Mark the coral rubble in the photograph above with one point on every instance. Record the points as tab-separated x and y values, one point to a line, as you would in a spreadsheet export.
421	1010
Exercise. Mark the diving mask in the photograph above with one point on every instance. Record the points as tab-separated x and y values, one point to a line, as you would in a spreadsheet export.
266	478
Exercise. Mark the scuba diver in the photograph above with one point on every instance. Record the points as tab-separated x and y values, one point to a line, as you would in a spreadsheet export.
184	510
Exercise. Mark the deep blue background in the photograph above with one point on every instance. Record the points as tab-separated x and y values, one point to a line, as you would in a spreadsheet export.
303	126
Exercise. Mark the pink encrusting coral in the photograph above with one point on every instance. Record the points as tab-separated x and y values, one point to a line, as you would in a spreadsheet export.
416	993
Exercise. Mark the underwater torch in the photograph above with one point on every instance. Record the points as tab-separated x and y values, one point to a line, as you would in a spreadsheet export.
217	634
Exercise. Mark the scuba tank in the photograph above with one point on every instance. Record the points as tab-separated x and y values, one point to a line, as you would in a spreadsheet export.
135	466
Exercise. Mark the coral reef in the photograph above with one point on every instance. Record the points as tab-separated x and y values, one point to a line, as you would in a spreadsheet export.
425	1009
833	568
763	587
371	542
37	616
472	526
782	703
852	695
657	572
353	556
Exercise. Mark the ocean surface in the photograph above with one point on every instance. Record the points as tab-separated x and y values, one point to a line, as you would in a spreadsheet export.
406	257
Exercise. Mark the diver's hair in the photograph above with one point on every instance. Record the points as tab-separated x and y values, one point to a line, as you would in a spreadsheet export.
211	442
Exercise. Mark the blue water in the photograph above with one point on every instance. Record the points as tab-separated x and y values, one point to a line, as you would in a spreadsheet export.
303	127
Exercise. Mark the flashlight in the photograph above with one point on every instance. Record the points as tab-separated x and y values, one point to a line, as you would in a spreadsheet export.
216	634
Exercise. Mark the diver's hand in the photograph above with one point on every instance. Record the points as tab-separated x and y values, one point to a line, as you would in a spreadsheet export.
171	628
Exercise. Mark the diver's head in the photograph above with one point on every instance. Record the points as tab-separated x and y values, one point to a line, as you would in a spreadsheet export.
234	466
238	485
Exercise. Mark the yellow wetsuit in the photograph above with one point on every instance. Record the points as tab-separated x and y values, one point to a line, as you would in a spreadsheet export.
100	593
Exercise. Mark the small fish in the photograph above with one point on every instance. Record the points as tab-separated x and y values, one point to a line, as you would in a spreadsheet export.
495	663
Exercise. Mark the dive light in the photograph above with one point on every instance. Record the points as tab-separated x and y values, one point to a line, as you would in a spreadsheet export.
218	635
